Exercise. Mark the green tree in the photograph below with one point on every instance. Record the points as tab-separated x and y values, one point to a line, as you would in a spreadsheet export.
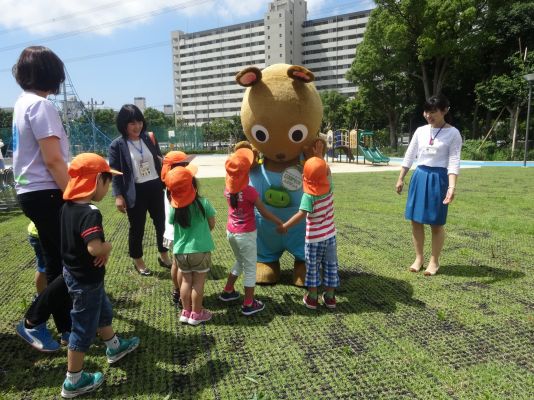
508	90
155	118
434	35
378	72
333	110
6	118
104	117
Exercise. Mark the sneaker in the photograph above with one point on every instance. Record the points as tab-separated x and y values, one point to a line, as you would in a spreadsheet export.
87	383
184	317
176	298
329	303
309	302
64	340
255	307
125	346
38	337
229	296
198	318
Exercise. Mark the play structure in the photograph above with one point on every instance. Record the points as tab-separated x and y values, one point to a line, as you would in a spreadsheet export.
352	144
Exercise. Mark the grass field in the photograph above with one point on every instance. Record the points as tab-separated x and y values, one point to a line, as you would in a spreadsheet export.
467	333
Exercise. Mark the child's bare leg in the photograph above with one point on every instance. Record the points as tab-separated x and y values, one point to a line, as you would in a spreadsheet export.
185	290
74	360
249	295
197	292
40	281
230	282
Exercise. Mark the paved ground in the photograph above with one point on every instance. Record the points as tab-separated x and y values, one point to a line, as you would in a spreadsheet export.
212	166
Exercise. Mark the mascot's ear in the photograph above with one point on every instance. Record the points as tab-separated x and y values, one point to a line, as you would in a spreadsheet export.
248	76
300	73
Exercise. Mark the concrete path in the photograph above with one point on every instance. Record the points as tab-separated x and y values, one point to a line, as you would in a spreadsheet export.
212	166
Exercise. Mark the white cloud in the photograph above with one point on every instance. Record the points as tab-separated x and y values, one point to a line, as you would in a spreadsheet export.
104	16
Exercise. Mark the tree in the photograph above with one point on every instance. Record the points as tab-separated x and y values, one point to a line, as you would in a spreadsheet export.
6	118
219	130
155	118
333	110
378	72
508	90
434	35
104	117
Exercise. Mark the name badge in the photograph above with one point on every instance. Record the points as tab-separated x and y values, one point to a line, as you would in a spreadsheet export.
144	168
292	179
430	150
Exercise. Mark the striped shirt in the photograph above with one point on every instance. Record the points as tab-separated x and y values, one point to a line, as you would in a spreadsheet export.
320	219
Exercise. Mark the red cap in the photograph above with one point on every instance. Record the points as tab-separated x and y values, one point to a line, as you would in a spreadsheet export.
83	172
179	182
237	169
315	177
172	158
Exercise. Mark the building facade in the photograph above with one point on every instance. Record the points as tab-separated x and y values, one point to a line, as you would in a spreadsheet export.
205	63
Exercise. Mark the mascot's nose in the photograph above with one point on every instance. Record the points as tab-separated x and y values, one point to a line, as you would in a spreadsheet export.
280	156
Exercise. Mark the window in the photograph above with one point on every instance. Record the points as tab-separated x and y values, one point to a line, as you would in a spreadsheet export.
280	44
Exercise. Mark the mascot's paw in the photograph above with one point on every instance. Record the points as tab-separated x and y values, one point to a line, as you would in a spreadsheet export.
317	149
268	272
299	273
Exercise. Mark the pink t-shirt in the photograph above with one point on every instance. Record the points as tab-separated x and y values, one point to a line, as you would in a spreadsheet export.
241	219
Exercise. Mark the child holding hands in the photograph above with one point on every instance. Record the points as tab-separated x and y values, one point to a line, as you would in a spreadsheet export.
317	206
85	253
241	228
194	219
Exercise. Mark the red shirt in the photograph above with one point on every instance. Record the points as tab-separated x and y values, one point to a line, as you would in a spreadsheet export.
242	219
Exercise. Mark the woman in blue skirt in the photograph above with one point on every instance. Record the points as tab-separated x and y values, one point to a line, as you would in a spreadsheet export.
437	148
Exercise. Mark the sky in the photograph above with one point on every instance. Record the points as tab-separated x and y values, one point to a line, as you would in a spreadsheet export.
115	50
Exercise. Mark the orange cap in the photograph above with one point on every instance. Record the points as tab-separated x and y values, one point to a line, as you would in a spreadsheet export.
179	181
237	168
315	179
172	158
83	172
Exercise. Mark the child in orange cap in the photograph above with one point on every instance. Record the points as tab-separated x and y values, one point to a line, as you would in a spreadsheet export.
85	253
172	159
193	218
317	205
241	228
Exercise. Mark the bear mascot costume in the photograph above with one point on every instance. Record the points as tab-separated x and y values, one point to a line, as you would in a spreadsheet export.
281	116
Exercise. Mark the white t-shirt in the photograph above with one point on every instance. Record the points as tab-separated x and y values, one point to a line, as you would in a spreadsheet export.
443	152
34	118
144	169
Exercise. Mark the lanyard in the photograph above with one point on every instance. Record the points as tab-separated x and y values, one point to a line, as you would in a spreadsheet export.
140	150
431	141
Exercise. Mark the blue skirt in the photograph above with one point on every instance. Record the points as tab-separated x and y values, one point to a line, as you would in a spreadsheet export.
428	188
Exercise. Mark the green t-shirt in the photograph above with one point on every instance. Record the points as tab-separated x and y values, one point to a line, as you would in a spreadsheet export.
196	238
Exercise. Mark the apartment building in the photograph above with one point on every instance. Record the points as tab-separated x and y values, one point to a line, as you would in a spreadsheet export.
205	63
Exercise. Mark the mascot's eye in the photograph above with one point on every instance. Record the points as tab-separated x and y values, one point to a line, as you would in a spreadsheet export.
298	133
260	133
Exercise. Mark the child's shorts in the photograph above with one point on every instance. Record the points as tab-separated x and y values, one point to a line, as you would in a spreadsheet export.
193	262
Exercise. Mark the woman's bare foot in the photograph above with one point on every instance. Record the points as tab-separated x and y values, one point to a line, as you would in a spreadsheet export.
432	269
417	265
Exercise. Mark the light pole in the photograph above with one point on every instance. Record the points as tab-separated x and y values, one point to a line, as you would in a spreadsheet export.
529	78
92	104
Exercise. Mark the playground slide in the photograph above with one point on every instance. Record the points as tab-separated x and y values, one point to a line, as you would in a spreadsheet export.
378	154
369	156
346	150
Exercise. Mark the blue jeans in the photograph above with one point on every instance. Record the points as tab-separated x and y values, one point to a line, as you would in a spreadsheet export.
36	244
91	309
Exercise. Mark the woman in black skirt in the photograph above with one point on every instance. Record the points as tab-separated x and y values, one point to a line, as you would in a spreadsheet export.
437	148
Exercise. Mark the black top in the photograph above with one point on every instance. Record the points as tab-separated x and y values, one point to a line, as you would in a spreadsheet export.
81	223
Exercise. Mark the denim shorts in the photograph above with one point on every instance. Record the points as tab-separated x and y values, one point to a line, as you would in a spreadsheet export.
91	309
193	262
36	244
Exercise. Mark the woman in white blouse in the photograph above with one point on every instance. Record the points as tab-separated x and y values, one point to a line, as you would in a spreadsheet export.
437	148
